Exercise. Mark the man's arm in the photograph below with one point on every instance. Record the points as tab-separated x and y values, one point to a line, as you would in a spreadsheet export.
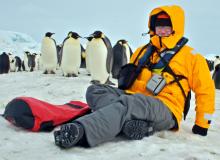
203	86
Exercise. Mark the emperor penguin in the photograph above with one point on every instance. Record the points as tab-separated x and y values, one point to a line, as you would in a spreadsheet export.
15	64
49	54
87	55
71	55
59	56
83	57
25	66
4	63
216	74
38	61
122	53
100	57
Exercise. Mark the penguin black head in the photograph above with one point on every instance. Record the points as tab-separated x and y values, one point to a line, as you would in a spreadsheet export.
122	41
49	34
97	34
74	35
27	52
89	38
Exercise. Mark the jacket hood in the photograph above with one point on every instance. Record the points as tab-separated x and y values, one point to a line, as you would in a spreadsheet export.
176	14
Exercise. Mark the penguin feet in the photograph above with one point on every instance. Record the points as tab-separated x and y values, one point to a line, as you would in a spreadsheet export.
108	82
95	82
70	75
52	72
45	72
74	75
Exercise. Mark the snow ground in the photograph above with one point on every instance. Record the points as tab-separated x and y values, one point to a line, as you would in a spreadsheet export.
19	144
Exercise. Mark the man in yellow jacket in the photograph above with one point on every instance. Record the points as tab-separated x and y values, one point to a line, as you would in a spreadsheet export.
155	100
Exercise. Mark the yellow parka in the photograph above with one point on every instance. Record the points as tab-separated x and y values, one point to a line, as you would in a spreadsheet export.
187	63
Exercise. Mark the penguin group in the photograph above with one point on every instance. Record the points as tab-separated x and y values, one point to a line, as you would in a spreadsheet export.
11	63
100	59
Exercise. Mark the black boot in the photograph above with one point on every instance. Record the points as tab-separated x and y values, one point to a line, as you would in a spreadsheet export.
137	129
69	135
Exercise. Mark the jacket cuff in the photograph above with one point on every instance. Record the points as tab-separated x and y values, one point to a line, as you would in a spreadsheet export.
199	130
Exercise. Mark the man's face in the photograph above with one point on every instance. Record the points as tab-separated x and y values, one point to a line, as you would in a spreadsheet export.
163	31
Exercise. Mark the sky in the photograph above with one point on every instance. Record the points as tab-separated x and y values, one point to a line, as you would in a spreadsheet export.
117	19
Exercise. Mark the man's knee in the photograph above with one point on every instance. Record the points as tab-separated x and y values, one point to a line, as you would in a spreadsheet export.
91	88
94	93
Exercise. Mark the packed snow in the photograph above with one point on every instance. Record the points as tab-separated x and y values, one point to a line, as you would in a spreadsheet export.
19	144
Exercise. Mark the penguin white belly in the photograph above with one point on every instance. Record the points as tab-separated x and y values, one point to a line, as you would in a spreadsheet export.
49	54
26	63
12	65
97	52
71	58
127	53
38	62
216	62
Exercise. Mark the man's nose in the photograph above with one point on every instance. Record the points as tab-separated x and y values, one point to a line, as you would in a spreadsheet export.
163	31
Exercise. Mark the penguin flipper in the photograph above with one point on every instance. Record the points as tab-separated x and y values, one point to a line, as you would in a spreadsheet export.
61	50
109	61
131	52
95	82
118	60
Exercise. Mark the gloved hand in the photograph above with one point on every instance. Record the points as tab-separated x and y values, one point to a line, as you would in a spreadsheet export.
199	130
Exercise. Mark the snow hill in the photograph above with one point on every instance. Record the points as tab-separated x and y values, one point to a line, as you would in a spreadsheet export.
17	43
19	144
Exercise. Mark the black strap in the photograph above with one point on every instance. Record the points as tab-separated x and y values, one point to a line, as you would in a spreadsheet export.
176	49
142	49
177	78
74	106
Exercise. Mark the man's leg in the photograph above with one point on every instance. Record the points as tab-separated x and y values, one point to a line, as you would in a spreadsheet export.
107	122
98	95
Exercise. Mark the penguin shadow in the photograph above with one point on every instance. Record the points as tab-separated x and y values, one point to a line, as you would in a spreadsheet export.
49	72
70	75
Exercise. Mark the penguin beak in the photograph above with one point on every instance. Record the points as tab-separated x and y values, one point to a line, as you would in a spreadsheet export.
92	35
144	34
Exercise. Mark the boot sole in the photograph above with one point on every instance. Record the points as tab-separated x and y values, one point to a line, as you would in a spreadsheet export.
137	129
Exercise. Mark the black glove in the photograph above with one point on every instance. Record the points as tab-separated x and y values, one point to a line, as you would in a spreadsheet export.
199	130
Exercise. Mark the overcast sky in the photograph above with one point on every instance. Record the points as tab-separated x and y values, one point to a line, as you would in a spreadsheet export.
118	19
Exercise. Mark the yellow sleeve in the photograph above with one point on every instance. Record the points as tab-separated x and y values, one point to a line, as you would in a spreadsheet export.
135	54
203	86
